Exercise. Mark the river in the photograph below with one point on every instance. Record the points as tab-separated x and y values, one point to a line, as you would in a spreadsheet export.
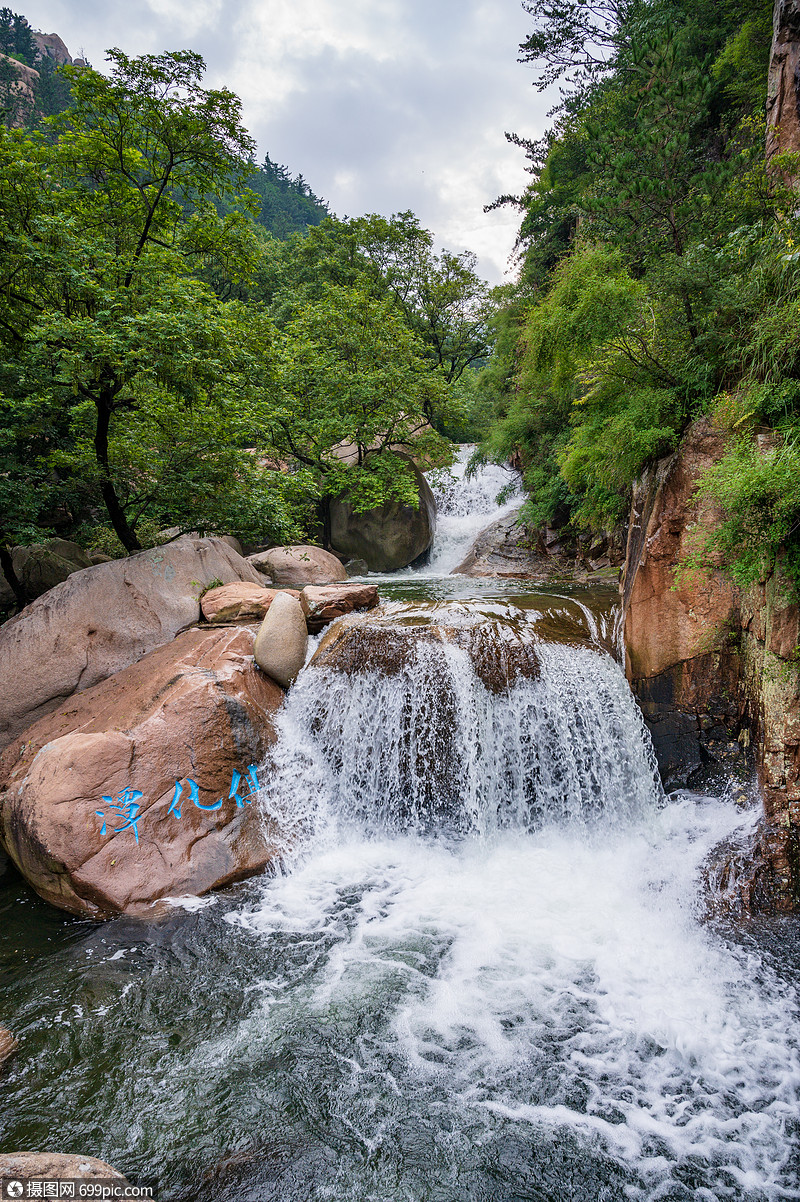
483	973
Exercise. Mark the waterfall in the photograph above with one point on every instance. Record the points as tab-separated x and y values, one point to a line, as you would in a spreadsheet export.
431	747
465	506
479	972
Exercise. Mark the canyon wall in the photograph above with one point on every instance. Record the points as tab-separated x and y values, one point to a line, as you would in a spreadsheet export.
715	668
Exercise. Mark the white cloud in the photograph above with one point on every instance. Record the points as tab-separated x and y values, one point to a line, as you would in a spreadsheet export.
383	105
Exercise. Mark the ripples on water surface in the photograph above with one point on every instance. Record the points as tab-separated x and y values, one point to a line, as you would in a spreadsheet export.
509	997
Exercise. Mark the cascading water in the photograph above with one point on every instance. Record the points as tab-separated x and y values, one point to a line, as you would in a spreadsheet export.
481	974
465	506
432	749
495	906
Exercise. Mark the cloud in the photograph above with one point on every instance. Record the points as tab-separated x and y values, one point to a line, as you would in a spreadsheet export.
382	105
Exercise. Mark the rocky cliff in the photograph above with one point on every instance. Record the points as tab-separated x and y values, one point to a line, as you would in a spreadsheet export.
715	668
783	86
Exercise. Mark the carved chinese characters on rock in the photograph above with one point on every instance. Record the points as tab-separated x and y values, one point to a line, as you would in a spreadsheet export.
124	806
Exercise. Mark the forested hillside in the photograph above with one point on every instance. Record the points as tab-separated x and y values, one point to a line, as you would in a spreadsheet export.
287	204
659	271
188	339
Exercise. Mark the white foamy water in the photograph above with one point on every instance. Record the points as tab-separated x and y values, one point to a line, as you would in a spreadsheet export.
465	507
505	916
433	748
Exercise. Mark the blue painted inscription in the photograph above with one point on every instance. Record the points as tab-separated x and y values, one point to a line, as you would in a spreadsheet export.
126	806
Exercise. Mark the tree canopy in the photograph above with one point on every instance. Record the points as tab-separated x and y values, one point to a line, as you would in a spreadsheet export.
166	361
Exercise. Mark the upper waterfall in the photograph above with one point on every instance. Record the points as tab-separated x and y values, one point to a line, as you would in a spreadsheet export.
465	506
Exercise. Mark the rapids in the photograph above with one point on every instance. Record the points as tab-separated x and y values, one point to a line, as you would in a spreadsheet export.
482	972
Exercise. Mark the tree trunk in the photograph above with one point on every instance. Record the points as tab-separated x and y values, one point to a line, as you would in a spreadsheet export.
325	512
116	513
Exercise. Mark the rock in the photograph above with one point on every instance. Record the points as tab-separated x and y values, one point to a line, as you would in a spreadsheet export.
356	567
783	82
504	549
240	602
235	602
322	604
665	623
8	1046
21	92
127	793
292	567
96	557
377	646
282	640
102	619
388	537
51	46
233	543
715	670
42	566
56	1166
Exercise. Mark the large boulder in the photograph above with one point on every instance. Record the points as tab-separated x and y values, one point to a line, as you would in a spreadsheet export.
376	644
389	537
142	786
42	566
282	640
504	549
296	566
103	618
56	1166
322	604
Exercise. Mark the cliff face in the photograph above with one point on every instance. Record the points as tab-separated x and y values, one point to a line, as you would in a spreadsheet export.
18	84
715	669
681	660
783	86
51	46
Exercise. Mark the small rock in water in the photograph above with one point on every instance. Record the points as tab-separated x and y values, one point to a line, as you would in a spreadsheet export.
322	604
8	1046
281	642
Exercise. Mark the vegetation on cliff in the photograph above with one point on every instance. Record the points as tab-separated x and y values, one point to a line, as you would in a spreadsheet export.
659	269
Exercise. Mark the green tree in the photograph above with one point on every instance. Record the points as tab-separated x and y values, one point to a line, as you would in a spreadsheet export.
440	297
356	388
97	304
16	37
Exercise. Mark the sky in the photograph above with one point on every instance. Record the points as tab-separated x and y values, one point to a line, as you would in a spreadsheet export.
382	105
